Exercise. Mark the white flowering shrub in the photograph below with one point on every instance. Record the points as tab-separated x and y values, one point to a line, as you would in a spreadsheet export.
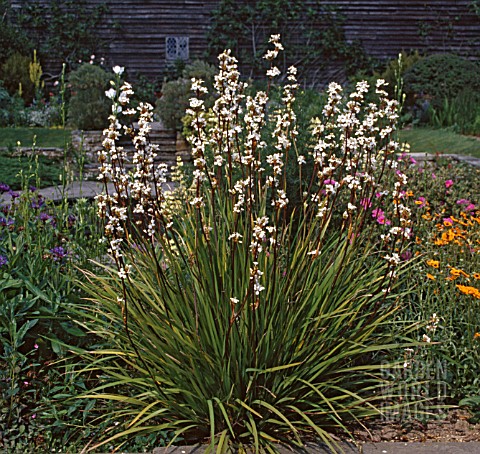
239	318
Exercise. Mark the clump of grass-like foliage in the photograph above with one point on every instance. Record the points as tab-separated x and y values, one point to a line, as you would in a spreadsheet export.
233	317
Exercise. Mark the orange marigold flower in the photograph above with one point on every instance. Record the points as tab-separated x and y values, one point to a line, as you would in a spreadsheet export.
433	263
476	275
448	236
467	290
457	272
476	335
409	194
431	276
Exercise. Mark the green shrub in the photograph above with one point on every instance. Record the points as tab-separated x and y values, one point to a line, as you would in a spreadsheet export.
12	109
439	77
175	94
15	73
88	107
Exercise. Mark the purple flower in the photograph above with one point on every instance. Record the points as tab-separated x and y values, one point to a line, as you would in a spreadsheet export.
470	207
58	253
463	202
45	217
40	202
448	183
14	194
3	260
32	188
5	222
4	187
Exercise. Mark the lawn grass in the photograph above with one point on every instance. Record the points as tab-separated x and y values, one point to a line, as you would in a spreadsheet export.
45	137
425	140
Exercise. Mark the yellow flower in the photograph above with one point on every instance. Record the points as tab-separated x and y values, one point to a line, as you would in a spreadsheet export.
476	275
433	263
467	290
431	277
476	335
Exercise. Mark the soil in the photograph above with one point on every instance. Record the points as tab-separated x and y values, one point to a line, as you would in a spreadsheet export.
452	426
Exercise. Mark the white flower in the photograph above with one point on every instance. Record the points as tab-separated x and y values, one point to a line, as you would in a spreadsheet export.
273	72
118	70
425	338
110	94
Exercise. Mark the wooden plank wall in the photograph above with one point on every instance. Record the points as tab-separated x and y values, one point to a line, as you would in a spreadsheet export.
384	27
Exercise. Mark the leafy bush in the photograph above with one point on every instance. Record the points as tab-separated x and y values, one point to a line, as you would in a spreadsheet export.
229	317
171	106
11	108
15	73
88	107
439	77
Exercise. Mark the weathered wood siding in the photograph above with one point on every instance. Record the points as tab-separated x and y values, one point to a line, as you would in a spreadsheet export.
383	27
386	27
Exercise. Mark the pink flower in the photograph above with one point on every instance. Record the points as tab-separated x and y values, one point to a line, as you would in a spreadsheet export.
332	182
412	160
448	220
448	183
434	177
463	202
379	215
470	207
366	203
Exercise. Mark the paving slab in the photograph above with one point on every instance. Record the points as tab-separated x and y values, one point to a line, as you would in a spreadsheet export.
351	448
75	190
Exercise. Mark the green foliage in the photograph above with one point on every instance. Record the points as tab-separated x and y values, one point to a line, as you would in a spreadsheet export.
461	113
11	109
173	103
40	247
64	28
439	77
49	170
89	107
318	38
12	38
16	76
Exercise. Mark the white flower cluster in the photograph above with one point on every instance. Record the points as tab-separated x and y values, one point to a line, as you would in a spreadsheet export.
137	197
